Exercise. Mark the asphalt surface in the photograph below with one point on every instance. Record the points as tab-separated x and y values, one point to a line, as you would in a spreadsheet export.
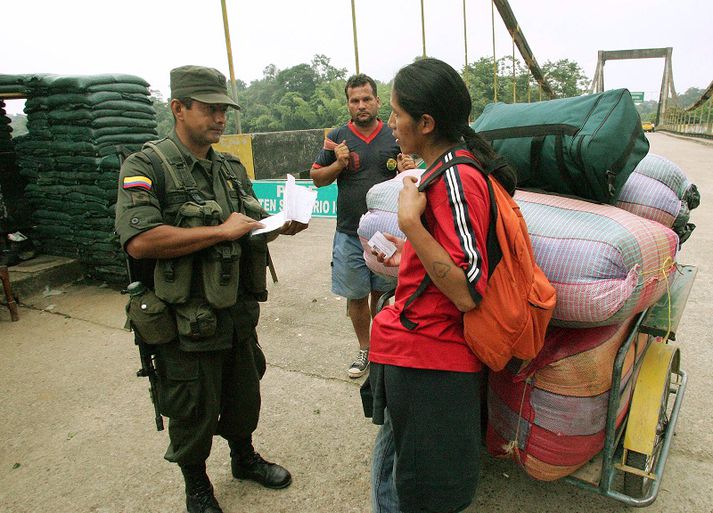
77	433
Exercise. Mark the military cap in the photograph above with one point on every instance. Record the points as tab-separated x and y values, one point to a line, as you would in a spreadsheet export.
202	84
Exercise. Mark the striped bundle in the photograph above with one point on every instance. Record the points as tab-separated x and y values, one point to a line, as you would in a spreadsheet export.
659	190
550	416
606	264
382	200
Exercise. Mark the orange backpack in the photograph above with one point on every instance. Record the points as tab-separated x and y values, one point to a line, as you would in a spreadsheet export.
517	305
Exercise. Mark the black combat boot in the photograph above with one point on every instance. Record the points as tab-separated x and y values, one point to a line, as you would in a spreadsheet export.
199	491
248	464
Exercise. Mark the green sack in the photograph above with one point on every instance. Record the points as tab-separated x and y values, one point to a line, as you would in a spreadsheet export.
585	146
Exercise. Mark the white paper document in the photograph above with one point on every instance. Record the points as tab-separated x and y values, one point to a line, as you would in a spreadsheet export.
271	223
298	201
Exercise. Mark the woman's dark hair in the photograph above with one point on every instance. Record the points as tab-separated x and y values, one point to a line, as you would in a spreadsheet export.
433	87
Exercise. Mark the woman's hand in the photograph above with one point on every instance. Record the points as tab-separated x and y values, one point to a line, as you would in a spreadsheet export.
395	259
412	204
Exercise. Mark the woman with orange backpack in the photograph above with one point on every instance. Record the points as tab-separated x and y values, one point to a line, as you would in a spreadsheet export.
425	380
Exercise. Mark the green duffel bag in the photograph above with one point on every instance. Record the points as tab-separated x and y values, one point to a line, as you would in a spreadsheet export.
585	146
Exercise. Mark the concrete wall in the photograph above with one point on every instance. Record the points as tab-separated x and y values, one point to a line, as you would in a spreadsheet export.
275	154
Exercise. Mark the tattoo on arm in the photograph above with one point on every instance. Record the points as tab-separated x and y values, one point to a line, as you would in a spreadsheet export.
441	269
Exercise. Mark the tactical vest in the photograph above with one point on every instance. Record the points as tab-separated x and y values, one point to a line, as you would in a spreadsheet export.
197	283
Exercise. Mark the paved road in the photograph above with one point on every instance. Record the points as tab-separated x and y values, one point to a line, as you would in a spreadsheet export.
77	435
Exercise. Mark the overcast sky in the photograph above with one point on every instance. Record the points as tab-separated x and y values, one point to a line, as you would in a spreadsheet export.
150	37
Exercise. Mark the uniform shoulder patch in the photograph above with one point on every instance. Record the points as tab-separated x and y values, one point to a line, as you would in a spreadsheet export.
141	182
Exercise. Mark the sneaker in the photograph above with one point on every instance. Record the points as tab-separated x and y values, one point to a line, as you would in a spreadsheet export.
256	468
359	367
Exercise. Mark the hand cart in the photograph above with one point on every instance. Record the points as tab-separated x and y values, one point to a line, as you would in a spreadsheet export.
630	466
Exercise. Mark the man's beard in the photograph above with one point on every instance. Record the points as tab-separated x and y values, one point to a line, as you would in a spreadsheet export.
363	122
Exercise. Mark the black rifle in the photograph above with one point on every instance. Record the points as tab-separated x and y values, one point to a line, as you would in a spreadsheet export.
148	370
146	354
140	269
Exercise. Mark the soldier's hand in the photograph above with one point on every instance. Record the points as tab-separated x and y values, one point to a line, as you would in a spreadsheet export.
342	154
238	225
292	227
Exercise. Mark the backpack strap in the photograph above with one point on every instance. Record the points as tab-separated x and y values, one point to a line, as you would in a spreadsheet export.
160	176
172	162
493	248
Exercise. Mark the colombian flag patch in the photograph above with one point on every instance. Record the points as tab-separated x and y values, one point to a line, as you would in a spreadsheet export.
137	181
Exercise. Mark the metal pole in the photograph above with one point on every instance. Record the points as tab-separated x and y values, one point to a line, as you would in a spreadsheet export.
356	45
465	35
495	60
514	80
423	30
230	65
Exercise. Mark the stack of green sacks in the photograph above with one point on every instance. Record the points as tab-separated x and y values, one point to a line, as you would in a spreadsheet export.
5	131
7	165
78	126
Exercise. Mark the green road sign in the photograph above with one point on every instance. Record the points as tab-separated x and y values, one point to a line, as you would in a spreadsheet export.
271	196
638	97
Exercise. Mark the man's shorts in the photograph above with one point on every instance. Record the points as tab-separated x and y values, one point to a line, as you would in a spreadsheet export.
351	278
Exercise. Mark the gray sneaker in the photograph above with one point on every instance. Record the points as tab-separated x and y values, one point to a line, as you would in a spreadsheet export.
359	367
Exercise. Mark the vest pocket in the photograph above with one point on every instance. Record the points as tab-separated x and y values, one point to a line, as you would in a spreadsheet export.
172	279
151	318
195	320
253	268
221	270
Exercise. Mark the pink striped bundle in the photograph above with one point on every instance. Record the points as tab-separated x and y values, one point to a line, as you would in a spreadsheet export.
659	190
550	416
606	264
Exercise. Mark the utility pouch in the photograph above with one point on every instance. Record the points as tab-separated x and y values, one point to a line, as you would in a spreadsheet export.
151	318
254	267
195	320
220	267
252	207
172	277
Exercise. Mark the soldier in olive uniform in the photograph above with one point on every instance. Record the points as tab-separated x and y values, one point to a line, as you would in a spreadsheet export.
191	209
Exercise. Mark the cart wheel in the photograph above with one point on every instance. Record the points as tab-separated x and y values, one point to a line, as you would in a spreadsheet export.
639	486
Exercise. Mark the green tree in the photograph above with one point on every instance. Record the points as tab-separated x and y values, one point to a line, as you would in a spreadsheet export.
329	103
295	113
301	79
164	116
478	77
321	64
566	78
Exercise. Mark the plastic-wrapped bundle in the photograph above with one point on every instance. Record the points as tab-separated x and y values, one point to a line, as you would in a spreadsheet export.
382	202
659	190
550	416
606	264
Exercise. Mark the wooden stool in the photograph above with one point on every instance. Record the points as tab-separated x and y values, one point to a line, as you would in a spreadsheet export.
12	306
